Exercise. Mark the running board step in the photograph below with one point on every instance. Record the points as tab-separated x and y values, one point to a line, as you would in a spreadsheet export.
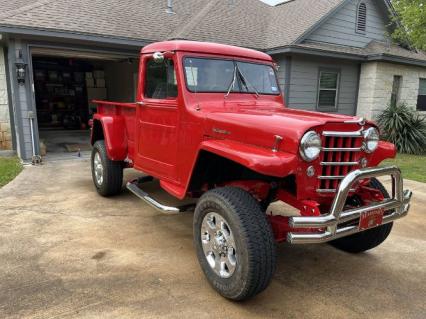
135	189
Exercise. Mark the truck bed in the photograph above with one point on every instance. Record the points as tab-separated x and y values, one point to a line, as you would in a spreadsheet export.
122	116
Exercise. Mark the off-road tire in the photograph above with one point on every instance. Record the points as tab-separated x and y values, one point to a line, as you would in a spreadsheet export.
254	240
369	238
112	172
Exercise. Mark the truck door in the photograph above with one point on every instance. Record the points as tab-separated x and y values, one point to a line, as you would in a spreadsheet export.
157	119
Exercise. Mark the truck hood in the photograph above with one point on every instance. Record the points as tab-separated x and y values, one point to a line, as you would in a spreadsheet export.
258	126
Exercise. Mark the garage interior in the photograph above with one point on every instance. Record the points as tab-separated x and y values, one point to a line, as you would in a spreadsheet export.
65	83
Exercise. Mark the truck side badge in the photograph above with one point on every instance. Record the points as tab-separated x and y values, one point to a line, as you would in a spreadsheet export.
220	131
277	143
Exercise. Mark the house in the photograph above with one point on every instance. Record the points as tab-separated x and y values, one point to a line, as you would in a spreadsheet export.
333	55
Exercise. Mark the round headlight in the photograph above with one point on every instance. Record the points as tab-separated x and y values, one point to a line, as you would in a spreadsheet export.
310	146
371	139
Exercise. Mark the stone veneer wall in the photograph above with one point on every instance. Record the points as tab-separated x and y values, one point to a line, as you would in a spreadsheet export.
376	82
5	129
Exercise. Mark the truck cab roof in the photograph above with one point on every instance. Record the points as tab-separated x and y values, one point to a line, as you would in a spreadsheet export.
205	48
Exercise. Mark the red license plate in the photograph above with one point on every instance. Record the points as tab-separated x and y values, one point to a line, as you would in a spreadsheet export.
371	219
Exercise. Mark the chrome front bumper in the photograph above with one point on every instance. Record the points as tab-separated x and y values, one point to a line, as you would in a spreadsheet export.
331	224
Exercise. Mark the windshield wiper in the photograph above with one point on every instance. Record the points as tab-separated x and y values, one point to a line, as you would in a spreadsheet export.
246	83
234	79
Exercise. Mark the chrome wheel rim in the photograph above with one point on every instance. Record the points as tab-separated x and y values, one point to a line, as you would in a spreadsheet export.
98	168
218	244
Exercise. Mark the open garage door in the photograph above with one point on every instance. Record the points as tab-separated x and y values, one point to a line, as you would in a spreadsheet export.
65	83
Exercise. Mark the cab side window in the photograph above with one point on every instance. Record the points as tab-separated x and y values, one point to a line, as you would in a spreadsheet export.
160	80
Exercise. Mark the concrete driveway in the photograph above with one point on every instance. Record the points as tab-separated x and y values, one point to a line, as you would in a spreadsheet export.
65	252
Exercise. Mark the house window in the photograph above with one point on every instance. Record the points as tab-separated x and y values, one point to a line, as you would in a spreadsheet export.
160	80
421	99
396	87
361	22
328	90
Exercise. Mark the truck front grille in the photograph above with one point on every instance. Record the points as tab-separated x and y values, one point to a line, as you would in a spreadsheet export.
340	155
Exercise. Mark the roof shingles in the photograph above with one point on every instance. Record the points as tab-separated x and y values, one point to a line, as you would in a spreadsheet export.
246	23
249	23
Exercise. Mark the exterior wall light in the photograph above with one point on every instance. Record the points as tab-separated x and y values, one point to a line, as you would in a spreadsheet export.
21	70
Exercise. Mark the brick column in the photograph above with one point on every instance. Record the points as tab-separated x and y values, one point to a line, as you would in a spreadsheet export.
5	129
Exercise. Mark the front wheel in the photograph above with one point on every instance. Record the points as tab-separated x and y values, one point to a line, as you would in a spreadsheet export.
107	175
369	238
234	243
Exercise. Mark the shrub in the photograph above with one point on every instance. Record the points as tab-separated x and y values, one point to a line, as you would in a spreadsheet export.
403	127
10	167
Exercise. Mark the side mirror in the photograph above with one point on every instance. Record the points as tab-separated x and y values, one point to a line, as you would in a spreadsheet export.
158	57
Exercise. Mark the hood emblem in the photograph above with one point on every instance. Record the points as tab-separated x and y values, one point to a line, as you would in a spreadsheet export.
360	121
277	143
220	131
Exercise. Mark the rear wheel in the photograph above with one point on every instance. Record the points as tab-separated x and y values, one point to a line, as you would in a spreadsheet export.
107	175
369	238
234	243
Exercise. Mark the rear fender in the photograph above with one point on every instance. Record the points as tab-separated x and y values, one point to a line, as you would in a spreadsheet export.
260	160
114	134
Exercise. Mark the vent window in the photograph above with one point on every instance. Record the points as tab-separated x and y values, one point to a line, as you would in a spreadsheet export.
361	23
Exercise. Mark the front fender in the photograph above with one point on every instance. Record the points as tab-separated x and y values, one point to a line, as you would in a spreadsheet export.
114	133
384	151
260	160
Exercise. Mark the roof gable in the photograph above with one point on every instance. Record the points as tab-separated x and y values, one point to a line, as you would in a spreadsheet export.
290	20
340	27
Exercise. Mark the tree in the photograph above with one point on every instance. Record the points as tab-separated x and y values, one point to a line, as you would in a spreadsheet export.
412	26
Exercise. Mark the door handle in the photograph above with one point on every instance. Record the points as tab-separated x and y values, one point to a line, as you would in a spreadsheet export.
141	103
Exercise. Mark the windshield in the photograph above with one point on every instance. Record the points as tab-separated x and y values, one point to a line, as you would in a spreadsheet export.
215	75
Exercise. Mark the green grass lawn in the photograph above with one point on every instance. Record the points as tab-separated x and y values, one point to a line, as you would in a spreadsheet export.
10	167
412	166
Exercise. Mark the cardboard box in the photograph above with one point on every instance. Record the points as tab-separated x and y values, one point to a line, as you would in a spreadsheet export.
100	83
99	74
90	83
95	94
40	75
79	77
53	75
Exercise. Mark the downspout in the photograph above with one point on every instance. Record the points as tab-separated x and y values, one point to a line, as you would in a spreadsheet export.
32	115
35	159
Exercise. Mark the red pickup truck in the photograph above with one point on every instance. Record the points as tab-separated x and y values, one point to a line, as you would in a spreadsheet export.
210	123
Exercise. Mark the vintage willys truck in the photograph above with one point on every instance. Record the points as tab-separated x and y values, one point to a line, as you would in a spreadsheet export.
210	123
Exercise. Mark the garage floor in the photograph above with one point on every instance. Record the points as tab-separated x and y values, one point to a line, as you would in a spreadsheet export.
65	143
65	252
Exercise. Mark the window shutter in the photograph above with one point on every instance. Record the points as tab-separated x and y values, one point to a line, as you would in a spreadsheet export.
422	87
421	99
362	17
